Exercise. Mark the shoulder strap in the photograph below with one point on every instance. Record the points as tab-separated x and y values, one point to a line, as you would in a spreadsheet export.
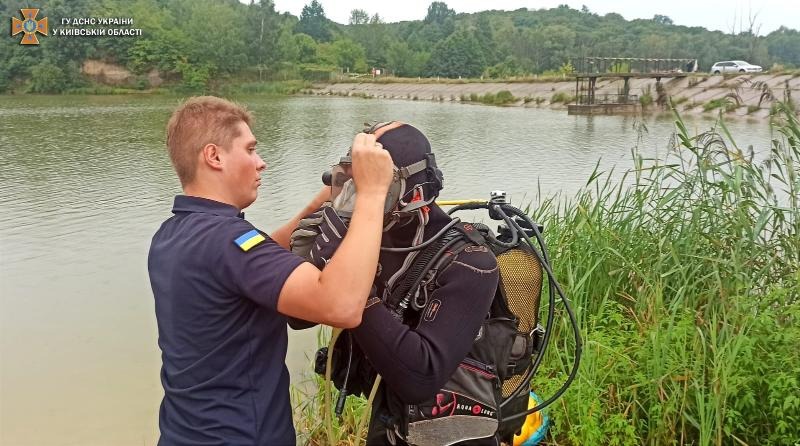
429	262
472	232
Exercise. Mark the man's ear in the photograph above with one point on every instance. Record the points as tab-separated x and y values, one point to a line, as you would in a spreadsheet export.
211	156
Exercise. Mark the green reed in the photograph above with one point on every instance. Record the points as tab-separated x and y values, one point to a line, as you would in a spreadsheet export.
687	287
685	277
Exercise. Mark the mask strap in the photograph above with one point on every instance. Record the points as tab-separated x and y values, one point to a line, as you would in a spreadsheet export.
413	168
418	202
376	126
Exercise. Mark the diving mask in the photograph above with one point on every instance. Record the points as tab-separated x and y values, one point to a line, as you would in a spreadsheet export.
343	189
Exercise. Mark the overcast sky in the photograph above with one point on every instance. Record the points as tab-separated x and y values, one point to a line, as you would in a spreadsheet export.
711	14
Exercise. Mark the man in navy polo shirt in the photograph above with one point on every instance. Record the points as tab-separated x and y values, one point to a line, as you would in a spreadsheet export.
223	288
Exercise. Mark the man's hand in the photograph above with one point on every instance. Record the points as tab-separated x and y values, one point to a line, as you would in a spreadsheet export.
336	295
372	166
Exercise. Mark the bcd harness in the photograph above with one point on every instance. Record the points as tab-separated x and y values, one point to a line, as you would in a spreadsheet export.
488	393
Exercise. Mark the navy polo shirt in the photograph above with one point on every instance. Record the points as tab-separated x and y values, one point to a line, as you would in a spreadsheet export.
222	339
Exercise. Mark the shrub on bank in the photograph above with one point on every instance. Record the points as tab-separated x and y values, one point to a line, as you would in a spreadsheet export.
562	96
503	97
725	103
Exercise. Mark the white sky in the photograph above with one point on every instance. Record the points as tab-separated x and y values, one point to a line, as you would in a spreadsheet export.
711	14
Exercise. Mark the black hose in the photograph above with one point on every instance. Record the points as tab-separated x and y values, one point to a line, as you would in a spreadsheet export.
343	391
422	245
542	258
420	277
576	331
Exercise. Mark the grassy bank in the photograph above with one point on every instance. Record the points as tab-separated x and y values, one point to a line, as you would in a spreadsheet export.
687	288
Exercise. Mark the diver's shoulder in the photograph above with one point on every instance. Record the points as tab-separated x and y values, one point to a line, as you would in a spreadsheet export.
476	256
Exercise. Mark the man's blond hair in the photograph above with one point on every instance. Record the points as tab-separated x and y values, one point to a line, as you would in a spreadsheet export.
197	122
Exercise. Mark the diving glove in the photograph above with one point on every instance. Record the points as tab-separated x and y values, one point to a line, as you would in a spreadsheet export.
307	230
316	239
332	232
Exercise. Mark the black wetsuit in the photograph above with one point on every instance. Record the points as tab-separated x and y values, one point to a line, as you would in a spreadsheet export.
416	361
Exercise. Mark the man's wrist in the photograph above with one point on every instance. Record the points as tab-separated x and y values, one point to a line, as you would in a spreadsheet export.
372	195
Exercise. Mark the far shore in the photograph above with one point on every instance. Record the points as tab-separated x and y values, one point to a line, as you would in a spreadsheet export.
746	95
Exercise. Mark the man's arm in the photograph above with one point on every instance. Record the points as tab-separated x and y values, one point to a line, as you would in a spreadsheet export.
336	296
282	235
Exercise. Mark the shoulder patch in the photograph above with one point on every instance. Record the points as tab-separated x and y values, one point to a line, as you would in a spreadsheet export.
249	239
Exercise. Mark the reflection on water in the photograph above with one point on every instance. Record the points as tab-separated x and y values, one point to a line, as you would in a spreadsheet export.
86	184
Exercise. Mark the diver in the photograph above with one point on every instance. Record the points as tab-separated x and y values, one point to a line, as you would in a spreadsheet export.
419	346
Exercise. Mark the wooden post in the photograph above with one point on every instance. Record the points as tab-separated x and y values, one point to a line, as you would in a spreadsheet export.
577	93
626	89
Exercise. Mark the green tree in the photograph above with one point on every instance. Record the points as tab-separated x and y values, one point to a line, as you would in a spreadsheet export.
163	45
403	61
485	35
508	68
47	77
313	22
358	17
662	20
438	12
5	79
458	56
306	48
217	45
264	22
349	56
784	45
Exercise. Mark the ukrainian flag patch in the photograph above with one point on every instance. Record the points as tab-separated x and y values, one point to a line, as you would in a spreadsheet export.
249	239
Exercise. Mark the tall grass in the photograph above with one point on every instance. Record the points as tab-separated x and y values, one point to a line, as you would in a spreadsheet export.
688	292
685	277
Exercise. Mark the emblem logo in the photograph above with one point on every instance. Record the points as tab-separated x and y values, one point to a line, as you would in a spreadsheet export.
433	310
29	26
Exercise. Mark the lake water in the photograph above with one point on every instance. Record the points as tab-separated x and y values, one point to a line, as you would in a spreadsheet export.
86	182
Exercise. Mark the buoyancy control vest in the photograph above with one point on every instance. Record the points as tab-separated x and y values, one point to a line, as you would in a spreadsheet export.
486	382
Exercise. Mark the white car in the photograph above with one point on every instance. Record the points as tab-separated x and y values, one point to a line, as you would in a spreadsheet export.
735	66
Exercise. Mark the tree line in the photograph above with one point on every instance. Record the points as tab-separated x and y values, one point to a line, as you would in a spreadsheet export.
196	43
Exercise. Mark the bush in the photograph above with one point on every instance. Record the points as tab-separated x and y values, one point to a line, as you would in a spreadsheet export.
5	80
195	77
504	97
46	77
561	96
726	104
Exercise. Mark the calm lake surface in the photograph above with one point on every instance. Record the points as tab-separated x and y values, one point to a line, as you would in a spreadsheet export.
86	182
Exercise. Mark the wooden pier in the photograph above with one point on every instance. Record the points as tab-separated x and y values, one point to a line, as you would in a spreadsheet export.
589	69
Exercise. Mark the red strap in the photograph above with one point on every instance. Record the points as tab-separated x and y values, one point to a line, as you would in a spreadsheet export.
418	197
